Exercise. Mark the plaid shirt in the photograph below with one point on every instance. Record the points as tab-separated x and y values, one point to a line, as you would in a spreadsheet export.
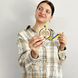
49	62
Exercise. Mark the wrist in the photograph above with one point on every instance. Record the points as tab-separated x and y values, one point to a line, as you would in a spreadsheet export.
62	48
34	55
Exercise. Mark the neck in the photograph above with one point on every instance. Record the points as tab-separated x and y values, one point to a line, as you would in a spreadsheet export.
38	26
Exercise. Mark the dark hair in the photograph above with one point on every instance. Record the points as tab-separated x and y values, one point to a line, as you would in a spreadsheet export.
50	4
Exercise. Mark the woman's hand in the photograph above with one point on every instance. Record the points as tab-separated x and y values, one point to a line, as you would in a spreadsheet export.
35	43
62	41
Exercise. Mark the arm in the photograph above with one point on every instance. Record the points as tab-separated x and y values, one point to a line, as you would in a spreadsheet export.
62	48
62	55
25	59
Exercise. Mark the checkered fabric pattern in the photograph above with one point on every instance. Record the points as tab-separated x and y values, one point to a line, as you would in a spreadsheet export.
49	62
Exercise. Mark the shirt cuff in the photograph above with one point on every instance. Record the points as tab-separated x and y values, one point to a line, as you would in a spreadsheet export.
62	49
62	55
34	61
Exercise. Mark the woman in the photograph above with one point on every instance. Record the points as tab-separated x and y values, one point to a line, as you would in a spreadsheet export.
38	55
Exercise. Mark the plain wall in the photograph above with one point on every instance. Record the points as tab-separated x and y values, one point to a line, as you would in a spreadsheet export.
17	14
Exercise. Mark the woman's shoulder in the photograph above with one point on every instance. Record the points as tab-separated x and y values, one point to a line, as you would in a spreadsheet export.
23	32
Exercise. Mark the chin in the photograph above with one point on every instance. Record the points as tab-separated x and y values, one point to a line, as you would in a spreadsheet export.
41	20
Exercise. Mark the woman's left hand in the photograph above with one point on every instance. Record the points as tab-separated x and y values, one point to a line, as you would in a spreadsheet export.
62	41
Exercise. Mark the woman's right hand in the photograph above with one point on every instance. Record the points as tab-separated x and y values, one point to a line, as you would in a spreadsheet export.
35	43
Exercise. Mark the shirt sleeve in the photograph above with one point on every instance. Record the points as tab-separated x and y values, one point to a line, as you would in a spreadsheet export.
62	56
25	59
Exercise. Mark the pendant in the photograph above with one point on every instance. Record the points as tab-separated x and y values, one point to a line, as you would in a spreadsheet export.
45	32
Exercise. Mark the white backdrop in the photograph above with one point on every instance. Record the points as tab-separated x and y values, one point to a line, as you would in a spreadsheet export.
16	14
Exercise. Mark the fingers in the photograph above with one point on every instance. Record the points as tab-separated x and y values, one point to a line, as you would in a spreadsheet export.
62	38
38	44
61	34
36	41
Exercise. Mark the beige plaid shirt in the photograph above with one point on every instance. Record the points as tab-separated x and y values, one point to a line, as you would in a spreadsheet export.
49	62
